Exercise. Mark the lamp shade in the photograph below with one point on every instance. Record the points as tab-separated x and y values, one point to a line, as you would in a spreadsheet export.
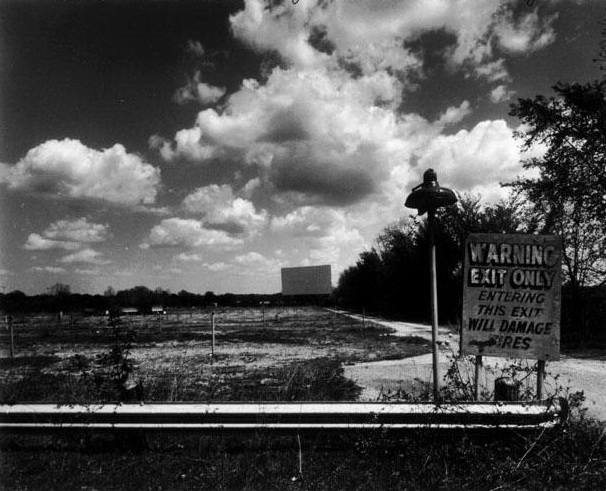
430	195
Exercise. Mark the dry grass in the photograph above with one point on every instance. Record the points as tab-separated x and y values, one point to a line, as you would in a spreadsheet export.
172	358
297	357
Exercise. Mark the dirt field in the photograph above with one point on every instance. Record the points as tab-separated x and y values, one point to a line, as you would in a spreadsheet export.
573	372
172	354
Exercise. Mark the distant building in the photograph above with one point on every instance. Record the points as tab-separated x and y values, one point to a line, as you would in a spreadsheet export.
307	280
158	310
129	311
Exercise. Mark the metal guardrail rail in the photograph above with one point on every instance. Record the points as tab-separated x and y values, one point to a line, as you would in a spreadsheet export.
287	416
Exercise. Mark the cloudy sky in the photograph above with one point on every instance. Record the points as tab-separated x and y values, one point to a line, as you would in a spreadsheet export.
204	145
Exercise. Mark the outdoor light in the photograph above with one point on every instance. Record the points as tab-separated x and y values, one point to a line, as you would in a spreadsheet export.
428	197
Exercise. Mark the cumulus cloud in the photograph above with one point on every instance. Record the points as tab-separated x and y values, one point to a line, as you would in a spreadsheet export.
88	272
48	269
329	126
78	230
308	221
70	169
215	267
454	115
89	256
327	232
529	33
68	235
185	257
371	33
258	262
500	94
475	160
223	211
280	28
313	132
186	232
187	146
201	92
195	47
35	242
5	173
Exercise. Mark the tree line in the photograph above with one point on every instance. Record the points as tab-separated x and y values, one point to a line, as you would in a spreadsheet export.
566	196
59	298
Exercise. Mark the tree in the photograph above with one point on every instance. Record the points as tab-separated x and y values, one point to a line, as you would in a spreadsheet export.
569	194
360	284
393	277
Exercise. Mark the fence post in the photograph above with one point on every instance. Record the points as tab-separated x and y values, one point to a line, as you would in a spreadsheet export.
212	321
10	327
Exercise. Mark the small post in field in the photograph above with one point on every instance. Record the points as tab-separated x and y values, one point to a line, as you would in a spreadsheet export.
212	322
363	317
476	381
540	378
10	328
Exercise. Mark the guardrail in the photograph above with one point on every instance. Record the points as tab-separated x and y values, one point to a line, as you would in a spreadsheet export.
285	416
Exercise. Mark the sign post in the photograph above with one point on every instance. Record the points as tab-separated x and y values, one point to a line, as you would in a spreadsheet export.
512	297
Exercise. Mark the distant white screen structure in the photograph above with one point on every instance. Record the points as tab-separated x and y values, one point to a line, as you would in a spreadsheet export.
307	280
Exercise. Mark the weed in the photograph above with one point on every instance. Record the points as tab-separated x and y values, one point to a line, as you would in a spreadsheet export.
114	379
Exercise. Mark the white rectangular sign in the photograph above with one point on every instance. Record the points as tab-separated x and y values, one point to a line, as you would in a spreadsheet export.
511	296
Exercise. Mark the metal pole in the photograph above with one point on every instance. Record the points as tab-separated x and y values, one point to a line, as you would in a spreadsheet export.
540	378
212	321
434	305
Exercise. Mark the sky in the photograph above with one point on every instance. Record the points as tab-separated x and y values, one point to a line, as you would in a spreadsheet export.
202	146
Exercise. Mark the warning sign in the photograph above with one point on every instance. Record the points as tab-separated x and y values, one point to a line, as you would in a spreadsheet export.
511	296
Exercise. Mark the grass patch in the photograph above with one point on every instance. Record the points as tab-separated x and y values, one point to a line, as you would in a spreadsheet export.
573	457
312	380
47	387
29	362
309	380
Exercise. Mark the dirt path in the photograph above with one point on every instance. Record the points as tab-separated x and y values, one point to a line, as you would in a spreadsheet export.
578	374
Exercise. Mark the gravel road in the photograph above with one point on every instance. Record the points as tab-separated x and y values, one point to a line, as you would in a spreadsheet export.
578	374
